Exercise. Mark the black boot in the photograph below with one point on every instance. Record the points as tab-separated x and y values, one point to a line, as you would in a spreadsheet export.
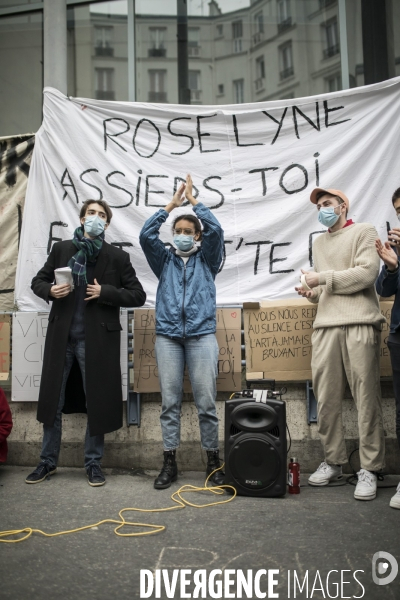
213	463
169	471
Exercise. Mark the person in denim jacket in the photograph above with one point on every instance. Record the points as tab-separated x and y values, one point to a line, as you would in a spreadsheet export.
186	323
388	285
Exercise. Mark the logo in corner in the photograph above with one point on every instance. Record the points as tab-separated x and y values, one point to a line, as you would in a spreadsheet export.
385	564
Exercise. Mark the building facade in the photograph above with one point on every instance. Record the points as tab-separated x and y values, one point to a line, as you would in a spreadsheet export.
264	50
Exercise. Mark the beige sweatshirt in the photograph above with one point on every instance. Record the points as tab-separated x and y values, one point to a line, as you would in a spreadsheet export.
348	265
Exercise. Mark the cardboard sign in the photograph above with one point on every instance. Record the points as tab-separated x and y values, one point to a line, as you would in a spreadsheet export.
278	340
29	334
229	362
4	347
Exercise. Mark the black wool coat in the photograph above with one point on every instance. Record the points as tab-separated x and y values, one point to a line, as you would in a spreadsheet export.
119	287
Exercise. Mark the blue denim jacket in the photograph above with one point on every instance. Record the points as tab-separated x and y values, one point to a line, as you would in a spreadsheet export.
186	295
387	285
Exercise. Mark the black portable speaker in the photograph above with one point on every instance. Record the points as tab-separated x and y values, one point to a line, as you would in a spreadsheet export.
255	446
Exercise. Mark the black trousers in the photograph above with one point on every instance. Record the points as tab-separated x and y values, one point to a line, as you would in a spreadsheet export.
394	350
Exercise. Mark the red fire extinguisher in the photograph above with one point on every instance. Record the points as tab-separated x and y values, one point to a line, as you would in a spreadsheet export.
294	476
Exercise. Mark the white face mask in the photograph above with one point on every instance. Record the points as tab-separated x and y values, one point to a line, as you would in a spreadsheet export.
328	215
93	225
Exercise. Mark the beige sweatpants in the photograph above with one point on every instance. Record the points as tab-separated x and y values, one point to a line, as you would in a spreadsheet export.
350	352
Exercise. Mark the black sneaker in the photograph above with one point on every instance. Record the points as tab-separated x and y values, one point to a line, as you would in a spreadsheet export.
95	475
40	473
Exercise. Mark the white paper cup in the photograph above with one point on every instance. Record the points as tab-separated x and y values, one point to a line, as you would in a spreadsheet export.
304	284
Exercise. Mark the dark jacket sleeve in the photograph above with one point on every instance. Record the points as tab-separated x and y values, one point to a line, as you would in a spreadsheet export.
5	417
387	283
44	280
212	243
131	292
153	248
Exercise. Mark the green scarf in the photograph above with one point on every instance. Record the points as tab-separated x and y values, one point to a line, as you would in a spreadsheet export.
88	250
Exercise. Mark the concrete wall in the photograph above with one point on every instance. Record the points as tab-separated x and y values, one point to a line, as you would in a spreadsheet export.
133	447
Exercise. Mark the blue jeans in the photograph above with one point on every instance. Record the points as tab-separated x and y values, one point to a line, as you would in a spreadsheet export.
201	357
94	445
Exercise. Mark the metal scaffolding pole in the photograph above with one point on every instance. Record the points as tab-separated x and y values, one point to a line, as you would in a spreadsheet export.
183	59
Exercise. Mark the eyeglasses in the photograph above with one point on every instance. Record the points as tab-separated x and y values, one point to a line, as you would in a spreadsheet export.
184	231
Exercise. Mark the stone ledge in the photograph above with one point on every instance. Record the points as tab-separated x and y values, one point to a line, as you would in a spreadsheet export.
149	455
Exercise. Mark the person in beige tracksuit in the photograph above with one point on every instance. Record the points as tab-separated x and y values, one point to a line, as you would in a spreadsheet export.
346	339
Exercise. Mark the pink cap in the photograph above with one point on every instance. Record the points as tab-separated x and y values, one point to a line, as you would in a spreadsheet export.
317	191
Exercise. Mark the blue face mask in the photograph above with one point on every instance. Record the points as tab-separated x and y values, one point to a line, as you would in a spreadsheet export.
93	225
327	216
184	242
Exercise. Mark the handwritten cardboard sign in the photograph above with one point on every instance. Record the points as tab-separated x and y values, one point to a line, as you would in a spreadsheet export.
229	362
278	340
4	347
29	335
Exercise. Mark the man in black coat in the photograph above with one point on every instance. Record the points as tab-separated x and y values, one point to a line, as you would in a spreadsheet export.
84	329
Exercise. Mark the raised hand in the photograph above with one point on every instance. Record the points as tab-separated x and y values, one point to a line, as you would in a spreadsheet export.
189	190
387	254
394	237
179	197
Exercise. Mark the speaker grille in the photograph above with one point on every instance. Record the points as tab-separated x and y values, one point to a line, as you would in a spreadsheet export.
254	462
234	430
274	431
254	416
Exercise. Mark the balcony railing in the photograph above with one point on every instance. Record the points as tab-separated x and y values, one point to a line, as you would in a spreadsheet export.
258	38
194	51
195	96
161	52
105	95
104	51
283	25
331	51
286	73
259	83
157	96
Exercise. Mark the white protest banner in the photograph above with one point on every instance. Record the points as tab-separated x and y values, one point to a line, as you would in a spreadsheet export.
29	336
15	158
254	165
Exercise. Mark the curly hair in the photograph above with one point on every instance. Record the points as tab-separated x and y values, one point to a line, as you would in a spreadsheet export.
194	220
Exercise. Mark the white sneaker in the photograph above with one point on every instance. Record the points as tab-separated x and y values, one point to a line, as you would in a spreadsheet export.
395	501
366	486
325	473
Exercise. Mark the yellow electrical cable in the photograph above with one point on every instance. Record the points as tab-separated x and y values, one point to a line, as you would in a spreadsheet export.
175	497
